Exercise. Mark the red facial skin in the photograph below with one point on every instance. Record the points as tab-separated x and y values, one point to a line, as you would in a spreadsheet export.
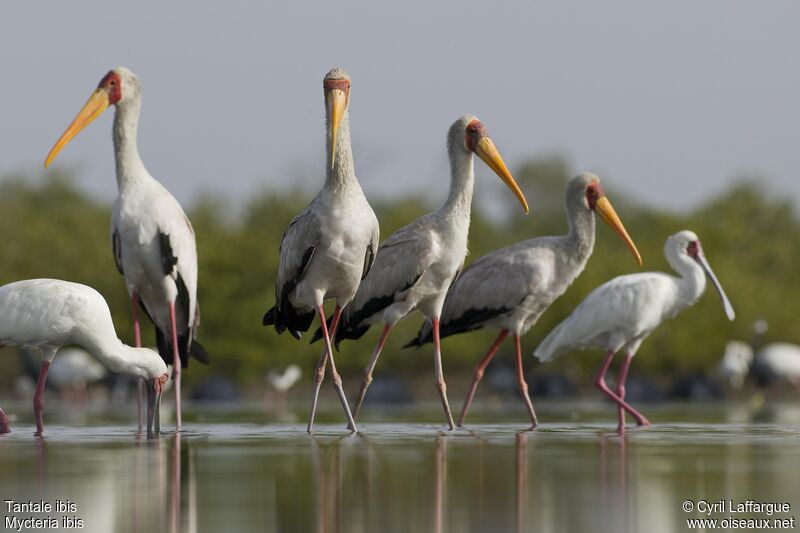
594	191
474	132
112	84
342	85
694	249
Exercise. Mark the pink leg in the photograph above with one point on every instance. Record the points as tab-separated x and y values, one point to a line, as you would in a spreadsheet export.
337	379
319	370
5	427
38	398
370	368
440	384
137	337
600	382
176	366
621	377
523	386
477	375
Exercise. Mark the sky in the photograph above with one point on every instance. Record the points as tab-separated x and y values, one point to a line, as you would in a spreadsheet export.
668	101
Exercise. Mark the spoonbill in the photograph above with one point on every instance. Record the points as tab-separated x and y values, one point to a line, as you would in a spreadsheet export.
152	239
416	264
47	314
510	288
330	246
621	313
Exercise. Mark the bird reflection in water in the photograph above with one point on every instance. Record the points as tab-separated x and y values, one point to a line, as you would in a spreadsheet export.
614	496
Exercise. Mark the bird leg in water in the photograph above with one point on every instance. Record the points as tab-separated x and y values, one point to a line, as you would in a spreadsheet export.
38	398
5	426
320	373
137	338
176	366
523	386
621	377
600	382
370	367
440	384
319	370
480	368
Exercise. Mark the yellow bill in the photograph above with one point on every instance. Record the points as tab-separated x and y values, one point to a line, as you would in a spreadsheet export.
337	101
93	108
487	151
606	211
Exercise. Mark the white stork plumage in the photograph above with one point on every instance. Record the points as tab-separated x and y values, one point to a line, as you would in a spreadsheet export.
330	246
621	313
416	264
153	240
509	289
46	314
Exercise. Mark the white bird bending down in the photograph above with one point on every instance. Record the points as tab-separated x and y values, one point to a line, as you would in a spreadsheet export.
774	361
330	246
47	314
153	240
735	363
416	264
509	289
621	313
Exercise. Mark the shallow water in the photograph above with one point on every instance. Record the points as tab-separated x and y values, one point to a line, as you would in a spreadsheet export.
231	473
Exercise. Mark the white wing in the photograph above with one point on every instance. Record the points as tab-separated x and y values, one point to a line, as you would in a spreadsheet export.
625	308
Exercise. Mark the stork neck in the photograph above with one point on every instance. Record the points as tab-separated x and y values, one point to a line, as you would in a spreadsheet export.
342	175
126	152
462	182
581	233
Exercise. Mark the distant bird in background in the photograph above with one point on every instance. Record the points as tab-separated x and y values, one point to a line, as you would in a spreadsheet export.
281	382
509	289
47	314
735	364
416	264
330	246
153	240
777	361
71	371
621	313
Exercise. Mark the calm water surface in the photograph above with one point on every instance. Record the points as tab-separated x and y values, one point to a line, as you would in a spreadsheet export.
228	473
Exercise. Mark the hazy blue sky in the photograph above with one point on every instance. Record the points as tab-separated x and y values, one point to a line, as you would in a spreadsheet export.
671	100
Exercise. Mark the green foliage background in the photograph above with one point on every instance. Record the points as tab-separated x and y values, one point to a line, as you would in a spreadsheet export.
51	228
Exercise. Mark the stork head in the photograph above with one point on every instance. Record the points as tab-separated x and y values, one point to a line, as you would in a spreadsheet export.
469	134
336	85
120	85
686	244
590	195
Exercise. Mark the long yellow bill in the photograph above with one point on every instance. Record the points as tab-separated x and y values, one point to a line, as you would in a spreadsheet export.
337	101
606	211
487	151
93	108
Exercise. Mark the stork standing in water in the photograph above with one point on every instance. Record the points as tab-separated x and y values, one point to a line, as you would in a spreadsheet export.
510	288
416	264
330	246
153	240
47	314
621	313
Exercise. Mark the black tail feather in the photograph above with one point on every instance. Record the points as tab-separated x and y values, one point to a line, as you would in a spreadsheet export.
197	351
290	319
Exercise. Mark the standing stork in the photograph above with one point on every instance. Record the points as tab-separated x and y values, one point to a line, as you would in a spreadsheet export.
153	240
621	313
510	288
330	246
47	314
416	264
